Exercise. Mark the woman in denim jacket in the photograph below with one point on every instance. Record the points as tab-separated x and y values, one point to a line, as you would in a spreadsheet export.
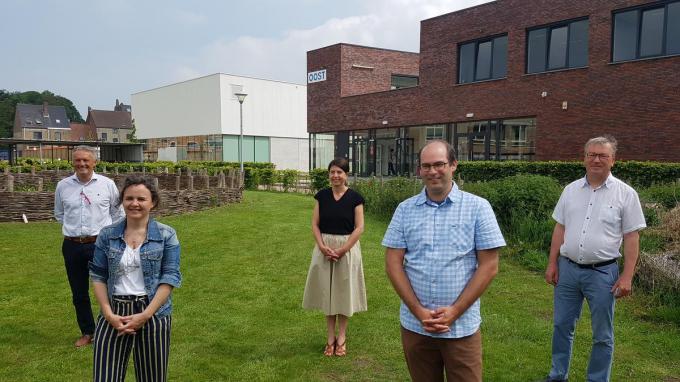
134	269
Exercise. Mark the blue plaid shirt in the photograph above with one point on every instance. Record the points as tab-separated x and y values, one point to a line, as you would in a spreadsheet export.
441	242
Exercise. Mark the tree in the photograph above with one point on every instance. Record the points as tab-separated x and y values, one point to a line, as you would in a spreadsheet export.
132	137
9	101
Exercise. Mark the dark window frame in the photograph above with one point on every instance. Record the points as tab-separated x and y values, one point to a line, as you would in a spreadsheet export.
548	36
417	78
490	39
663	4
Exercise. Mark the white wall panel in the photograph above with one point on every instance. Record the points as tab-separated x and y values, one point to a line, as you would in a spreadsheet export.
187	108
290	153
271	109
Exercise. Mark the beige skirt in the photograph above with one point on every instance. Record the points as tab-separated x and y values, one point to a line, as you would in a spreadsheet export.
336	287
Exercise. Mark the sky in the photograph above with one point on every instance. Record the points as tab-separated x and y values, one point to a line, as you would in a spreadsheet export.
95	51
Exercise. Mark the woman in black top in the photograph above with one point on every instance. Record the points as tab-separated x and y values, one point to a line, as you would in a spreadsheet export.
335	282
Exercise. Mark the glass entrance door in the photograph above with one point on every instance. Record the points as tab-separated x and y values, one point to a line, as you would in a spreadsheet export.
405	156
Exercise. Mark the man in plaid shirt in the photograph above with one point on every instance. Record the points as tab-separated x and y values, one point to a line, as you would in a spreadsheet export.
442	249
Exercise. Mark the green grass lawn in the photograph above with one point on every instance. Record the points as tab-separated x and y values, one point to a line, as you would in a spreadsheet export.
238	316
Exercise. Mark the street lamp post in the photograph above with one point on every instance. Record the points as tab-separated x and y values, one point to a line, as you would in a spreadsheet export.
241	97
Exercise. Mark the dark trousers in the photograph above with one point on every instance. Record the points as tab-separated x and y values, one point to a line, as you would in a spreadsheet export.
76	258
428	358
390	169
151	345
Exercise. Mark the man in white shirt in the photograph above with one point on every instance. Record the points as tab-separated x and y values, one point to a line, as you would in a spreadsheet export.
84	203
593	217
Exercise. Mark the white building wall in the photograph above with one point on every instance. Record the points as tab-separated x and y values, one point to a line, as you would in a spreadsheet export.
187	108
290	153
271	109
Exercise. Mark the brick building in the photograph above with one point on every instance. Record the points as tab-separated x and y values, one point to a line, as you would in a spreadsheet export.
506	80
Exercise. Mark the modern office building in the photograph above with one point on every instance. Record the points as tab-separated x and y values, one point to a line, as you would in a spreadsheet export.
200	119
506	80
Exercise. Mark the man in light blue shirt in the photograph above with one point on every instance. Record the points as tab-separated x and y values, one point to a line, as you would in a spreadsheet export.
84	203
442	253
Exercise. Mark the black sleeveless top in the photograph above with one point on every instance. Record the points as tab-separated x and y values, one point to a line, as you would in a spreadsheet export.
337	217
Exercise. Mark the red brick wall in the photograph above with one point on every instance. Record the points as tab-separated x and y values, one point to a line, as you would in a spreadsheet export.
638	102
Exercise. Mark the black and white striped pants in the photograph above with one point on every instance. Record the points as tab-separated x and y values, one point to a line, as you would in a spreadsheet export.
151	344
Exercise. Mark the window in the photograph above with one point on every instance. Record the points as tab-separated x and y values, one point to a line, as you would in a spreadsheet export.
558	46
647	32
401	81
57	136
192	145
434	132
104	137
37	135
483	60
115	140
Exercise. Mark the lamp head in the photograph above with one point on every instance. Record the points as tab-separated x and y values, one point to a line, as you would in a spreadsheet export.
241	97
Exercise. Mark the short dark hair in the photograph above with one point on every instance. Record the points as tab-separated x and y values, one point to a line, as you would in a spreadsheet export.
341	163
450	150
134	180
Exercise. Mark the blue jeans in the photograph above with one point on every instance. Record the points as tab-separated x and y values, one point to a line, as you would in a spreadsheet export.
573	285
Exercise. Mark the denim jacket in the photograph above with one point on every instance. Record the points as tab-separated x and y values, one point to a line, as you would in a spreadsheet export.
159	254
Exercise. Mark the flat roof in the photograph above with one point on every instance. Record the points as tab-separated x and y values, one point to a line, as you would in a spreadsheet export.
34	142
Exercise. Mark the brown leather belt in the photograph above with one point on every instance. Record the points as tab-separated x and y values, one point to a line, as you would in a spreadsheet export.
82	239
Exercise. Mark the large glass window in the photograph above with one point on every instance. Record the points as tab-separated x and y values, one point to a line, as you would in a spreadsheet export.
647	32
510	139
559	46
483	60
322	150
399	81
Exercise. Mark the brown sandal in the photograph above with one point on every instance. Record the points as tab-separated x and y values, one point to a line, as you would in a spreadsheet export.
341	350
329	350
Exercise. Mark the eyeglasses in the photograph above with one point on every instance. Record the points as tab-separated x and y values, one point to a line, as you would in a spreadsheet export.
592	156
437	166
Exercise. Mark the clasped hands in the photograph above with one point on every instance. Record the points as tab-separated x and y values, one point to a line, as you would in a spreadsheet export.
332	255
127	324
438	320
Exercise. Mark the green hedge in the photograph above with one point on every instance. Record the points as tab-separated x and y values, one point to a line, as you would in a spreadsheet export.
637	174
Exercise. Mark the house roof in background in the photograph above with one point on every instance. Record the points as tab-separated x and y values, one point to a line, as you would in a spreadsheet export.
32	116
83	132
109	119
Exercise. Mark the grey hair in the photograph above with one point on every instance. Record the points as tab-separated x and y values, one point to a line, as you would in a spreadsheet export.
89	149
601	140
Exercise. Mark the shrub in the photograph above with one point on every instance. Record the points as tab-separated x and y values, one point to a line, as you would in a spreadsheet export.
288	179
533	196
383	197
265	177
667	195
318	179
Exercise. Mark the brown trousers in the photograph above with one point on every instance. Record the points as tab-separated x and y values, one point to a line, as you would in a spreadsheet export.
427	358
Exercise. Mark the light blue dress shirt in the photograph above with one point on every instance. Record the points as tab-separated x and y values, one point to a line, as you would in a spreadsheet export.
84	209
441	242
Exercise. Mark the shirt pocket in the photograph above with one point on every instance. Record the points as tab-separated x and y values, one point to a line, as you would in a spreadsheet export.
461	238
100	200
610	216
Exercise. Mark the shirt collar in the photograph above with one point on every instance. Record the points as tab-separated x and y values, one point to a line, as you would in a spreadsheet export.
451	196
152	230
95	176
607	183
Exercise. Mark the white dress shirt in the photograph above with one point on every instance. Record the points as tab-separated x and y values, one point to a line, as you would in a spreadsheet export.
85	208
595	219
